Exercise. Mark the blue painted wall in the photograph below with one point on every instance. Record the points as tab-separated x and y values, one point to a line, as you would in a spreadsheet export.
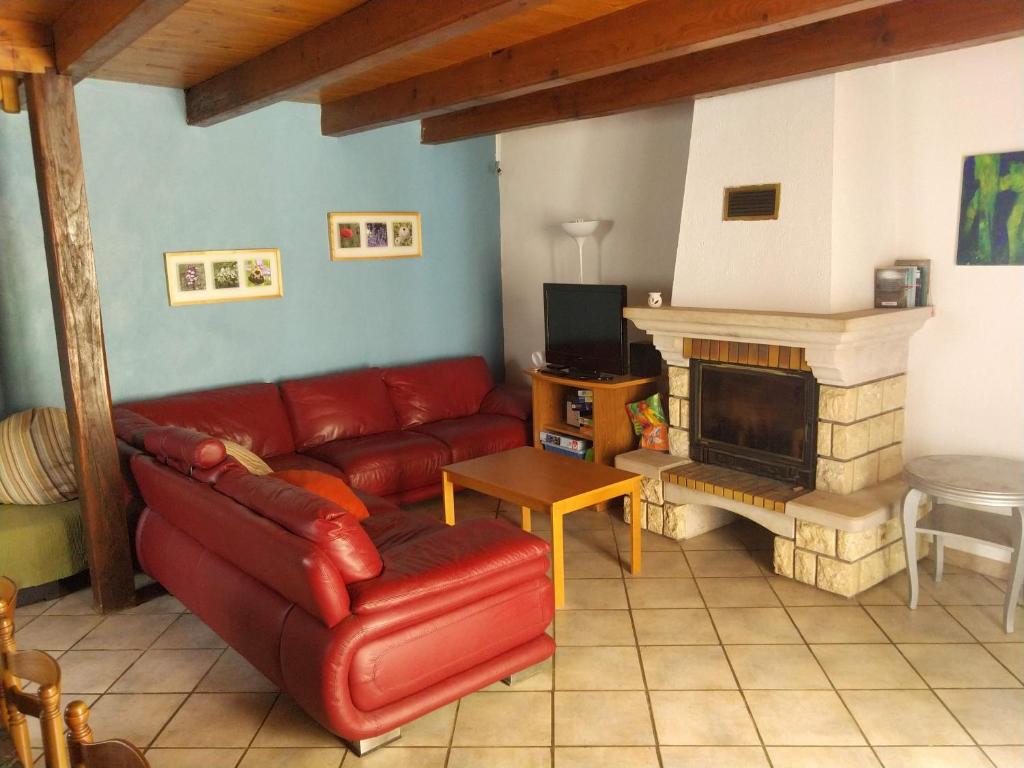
264	180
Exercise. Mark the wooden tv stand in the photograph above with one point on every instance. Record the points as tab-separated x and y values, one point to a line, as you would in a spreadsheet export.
612	433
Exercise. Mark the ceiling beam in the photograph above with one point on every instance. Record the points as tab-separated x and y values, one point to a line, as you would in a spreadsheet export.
89	34
25	47
642	34
908	28
371	34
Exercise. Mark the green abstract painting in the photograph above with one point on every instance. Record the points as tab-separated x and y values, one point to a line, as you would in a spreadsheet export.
992	210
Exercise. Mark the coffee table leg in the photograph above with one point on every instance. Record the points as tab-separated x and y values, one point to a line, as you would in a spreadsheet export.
635	527
448	490
557	558
526	519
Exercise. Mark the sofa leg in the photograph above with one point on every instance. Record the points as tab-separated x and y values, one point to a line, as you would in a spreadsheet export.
365	746
522	674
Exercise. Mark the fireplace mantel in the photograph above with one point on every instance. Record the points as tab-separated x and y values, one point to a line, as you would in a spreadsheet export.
842	349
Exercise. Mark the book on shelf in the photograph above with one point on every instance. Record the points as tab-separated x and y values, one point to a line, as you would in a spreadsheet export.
924	268
896	287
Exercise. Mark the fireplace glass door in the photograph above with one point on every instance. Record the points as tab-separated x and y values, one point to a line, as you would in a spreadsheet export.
758	420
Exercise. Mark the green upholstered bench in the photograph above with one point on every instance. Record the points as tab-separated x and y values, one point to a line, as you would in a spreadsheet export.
40	544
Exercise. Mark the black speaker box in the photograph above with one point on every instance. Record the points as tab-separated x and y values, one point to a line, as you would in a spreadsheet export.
644	360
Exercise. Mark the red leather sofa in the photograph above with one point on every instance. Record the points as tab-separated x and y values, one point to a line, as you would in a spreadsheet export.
385	431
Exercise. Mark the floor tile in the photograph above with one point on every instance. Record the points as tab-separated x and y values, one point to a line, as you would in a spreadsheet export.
605	757
758	626
293	757
499	757
725	563
602	540
792	592
904	718
818	757
135	717
702	718
836	625
161	671
35	609
233	674
504	719
867	667
587	519
713	757
893	591
595	594
933	757
990	716
962	665
963	589
985	622
434	729
661	565
687	667
194	758
737	593
664	593
649	542
94	671
597	668
189	631
54	633
78	603
674	626
217	720
159	604
289	726
925	624
542	679
592	565
1005	757
726	537
776	667
399	757
121	631
593	628
803	718
602	718
1011	655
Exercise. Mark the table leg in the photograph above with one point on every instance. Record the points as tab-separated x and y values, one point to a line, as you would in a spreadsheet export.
526	519
940	550
448	491
1016	570
911	503
634	530
557	558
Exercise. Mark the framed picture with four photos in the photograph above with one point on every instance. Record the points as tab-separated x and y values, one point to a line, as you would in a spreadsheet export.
394	235
207	277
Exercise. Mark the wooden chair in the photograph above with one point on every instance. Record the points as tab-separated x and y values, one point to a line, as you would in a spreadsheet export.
85	753
8	601
41	669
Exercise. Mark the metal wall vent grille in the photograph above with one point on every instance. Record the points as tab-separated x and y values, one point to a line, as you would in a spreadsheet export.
751	203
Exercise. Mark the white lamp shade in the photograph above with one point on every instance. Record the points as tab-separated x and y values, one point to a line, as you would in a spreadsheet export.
580	228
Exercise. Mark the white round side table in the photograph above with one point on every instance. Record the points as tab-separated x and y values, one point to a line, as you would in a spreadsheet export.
974	498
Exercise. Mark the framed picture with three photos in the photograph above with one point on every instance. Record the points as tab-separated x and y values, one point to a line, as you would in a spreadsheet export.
394	235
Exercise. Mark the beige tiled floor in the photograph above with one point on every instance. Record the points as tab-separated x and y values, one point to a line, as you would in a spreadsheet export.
706	660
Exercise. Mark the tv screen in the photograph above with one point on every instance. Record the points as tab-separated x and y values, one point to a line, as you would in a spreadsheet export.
584	328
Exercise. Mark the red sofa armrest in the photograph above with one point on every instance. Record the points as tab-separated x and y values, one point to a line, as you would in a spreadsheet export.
506	400
453	566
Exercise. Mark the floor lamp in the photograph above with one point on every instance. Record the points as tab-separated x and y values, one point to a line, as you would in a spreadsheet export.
579	231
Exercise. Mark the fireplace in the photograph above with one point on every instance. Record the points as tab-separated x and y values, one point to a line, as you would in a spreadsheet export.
755	419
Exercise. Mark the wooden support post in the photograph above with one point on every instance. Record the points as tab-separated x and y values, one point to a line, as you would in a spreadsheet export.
76	312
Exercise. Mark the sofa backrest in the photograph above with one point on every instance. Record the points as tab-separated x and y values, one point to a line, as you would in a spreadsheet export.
250	414
337	406
443	389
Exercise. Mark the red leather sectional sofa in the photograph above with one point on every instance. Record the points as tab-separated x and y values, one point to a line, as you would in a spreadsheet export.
366	625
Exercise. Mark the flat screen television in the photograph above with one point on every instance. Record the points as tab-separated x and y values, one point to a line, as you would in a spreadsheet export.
584	330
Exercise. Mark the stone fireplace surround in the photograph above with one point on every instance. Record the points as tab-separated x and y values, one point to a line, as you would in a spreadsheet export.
844	536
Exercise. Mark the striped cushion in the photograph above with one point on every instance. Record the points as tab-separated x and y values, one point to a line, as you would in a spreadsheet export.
246	458
35	458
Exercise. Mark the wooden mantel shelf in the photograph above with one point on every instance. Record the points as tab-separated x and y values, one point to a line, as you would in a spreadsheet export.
843	349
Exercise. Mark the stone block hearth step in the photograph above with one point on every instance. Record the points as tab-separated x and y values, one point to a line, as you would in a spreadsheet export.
733	484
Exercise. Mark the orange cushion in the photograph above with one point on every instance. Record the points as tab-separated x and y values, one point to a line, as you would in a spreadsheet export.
330	487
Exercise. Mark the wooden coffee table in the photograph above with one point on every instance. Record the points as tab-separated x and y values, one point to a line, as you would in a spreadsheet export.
544	481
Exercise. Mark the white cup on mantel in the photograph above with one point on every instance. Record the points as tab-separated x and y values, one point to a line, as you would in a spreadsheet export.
654	299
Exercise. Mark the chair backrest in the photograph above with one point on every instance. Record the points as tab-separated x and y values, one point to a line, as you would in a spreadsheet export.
41	669
85	753
8	599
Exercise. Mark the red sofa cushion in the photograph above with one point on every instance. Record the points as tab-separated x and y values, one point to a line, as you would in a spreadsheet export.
388	463
251	414
444	389
392	528
478	435
337	406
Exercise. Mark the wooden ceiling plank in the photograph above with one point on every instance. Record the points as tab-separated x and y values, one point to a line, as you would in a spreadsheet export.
25	46
374	33
642	34
909	28
89	33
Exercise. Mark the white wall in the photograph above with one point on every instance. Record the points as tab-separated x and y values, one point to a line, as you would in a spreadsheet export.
627	170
